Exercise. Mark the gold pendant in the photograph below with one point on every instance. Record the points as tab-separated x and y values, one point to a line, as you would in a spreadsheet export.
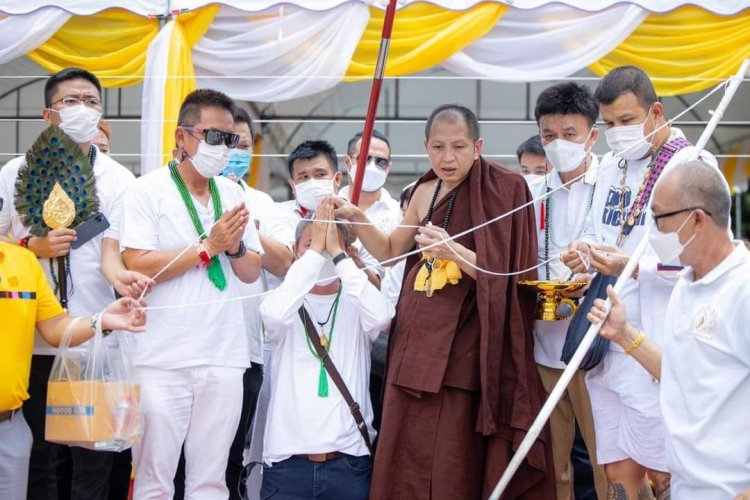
637	212
324	340
59	211
631	221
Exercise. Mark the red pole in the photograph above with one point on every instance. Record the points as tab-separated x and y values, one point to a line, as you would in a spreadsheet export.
372	108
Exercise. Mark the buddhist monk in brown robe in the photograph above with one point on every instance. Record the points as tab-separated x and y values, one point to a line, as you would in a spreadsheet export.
461	386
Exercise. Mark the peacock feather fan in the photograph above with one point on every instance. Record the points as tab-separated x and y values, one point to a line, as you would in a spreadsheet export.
54	158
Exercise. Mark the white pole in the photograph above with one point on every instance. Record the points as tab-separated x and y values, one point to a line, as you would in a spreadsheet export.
593	331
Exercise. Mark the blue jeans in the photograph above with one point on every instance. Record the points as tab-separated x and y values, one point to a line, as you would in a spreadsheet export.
344	478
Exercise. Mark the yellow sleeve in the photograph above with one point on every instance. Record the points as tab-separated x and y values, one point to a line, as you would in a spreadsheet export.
47	305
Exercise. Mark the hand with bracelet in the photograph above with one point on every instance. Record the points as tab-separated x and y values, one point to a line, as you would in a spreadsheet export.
616	328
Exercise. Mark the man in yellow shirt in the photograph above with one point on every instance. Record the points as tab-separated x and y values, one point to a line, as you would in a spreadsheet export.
26	301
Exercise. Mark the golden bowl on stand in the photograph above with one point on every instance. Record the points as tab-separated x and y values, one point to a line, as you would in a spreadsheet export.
554	305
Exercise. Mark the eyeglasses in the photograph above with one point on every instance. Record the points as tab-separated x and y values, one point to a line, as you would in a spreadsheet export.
677	212
91	102
381	162
214	137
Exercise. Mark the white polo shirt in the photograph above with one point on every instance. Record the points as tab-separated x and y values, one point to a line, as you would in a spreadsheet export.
568	208
88	289
705	381
299	421
156	219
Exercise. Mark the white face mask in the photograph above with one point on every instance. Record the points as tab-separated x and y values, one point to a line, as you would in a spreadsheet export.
667	245
310	193
80	122
629	141
374	178
566	156
209	161
328	272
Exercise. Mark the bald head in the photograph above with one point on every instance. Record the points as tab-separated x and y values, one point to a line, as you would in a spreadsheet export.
696	184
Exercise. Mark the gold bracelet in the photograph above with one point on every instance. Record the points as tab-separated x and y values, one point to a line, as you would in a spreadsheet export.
637	342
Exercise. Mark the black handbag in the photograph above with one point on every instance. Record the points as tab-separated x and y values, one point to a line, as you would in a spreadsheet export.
579	325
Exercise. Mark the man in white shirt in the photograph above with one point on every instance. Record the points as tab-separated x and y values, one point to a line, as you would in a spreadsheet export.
702	358
191	226
72	102
624	397
566	114
313	447
276	238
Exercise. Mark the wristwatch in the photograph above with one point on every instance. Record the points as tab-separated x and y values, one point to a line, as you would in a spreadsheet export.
340	257
241	252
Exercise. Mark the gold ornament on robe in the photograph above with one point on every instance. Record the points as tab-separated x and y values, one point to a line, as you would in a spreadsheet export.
59	210
435	274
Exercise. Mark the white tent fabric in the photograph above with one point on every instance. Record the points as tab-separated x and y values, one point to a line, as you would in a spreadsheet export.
297	52
86	7
724	7
548	42
20	35
152	106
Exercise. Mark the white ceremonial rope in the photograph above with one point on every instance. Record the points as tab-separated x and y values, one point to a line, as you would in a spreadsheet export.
593	331
432	245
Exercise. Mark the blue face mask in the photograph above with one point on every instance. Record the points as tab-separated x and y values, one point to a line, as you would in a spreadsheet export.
238	164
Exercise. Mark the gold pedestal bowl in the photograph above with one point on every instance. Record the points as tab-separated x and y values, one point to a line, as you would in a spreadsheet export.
553	304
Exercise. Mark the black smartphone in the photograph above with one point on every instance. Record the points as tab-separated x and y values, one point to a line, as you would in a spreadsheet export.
94	225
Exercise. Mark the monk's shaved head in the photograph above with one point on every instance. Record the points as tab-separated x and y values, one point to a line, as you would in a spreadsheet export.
698	184
454	113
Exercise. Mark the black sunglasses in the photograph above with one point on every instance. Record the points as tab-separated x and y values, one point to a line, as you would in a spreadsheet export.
214	137
381	162
676	212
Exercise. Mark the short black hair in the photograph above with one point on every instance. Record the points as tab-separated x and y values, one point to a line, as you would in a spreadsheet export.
352	146
452	112
242	116
626	79
567	98
312	149
190	111
50	86
531	145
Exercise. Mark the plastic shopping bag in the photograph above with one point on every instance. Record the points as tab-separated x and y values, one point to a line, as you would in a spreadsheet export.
93	400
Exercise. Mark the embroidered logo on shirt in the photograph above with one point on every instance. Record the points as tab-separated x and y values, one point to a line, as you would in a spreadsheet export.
703	325
18	295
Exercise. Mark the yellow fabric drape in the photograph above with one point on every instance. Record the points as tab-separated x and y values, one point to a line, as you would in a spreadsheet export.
187	30
111	44
686	43
423	36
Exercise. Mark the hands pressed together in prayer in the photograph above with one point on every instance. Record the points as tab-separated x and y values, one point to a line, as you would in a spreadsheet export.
226	234
325	236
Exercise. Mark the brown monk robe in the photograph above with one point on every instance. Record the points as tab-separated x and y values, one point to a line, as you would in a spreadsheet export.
462	387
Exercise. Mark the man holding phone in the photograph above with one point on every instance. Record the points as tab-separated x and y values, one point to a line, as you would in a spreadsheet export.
72	100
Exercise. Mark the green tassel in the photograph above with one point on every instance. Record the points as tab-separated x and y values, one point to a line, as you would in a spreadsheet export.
216	274
322	382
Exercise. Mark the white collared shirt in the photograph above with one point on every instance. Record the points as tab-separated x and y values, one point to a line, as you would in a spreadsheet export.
88	289
646	297
299	421
705	381
155	219
568	209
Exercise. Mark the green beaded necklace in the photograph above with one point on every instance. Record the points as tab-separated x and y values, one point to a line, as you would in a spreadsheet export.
215	273
322	374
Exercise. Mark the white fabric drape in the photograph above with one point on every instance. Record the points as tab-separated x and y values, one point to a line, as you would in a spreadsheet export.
723	7
86	7
292	52
20	35
152	106
548	42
